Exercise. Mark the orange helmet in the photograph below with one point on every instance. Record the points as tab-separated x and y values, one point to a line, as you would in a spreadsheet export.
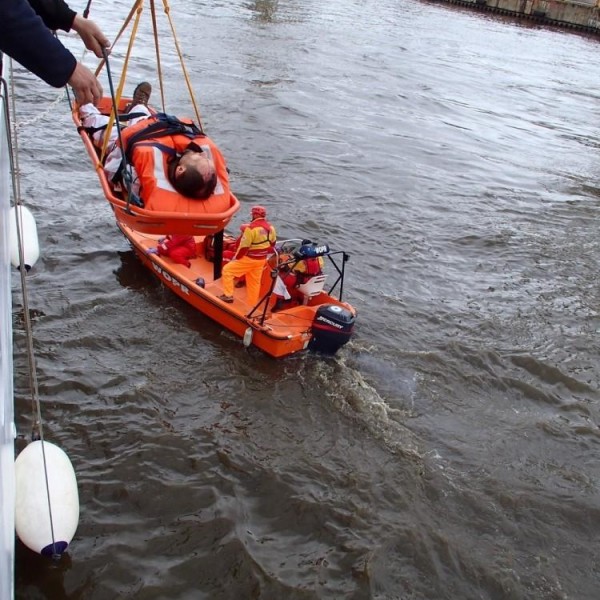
258	211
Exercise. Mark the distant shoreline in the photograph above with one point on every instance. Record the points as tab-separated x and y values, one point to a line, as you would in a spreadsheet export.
580	16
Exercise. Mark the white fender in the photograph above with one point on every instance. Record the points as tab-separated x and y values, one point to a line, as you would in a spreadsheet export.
29	238
248	334
32	512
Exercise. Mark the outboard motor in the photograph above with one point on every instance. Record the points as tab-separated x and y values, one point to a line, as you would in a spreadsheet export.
331	329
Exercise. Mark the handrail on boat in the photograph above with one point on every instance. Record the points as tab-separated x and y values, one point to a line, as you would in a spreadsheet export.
275	270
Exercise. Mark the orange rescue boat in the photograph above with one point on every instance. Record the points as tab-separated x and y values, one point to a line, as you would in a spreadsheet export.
315	318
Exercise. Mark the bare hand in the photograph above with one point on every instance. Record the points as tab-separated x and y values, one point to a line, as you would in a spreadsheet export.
91	35
85	85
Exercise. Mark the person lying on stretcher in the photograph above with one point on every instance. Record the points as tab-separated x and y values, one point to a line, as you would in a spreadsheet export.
166	158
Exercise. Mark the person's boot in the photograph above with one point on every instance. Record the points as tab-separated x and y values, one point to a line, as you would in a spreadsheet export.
141	95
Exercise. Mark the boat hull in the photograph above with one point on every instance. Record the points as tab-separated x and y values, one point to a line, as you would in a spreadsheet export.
296	327
278	334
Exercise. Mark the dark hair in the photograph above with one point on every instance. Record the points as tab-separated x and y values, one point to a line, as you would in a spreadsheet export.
191	183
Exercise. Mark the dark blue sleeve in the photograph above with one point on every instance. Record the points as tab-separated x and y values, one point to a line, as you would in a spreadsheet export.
56	14
25	38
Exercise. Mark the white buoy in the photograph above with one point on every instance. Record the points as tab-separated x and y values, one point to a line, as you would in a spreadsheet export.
29	238
40	532
248	334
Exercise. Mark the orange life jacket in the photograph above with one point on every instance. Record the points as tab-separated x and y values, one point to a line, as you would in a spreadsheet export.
257	240
150	163
310	268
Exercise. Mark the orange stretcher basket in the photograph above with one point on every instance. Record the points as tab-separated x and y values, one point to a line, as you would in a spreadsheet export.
212	218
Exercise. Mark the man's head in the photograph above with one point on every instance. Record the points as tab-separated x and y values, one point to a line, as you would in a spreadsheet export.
194	175
258	212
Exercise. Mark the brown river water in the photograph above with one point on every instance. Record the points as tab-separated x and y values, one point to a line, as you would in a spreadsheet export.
451	450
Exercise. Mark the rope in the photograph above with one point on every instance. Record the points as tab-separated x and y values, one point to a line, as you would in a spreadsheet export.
158	65
185	73
59	98
125	172
134	8
37	432
86	11
117	99
39	117
137	8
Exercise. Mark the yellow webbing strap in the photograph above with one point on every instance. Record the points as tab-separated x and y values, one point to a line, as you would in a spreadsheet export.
185	74
126	22
158	65
111	119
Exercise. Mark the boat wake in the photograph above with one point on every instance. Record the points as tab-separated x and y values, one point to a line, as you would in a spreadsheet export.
349	391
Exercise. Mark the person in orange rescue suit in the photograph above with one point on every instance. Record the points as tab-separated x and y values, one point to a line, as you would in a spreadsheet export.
301	271
257	242
179	248
168	172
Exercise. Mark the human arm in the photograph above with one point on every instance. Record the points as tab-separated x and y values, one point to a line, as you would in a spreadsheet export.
112	165
171	242
25	38
164	246
56	14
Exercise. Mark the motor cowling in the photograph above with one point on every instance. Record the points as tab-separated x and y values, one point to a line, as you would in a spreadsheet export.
331	328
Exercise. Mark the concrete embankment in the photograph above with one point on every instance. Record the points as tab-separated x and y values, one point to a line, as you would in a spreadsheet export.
582	16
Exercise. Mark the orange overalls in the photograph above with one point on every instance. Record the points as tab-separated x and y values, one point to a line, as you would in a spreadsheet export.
256	244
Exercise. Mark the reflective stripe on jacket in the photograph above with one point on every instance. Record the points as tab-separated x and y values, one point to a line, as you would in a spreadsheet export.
150	163
257	240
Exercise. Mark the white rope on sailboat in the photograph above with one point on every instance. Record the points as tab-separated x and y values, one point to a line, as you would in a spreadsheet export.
41	116
52	106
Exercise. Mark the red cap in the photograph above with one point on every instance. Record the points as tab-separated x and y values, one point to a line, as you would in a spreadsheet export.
258	211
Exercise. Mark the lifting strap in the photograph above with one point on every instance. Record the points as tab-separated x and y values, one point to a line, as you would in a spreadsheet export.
165	125
138	7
